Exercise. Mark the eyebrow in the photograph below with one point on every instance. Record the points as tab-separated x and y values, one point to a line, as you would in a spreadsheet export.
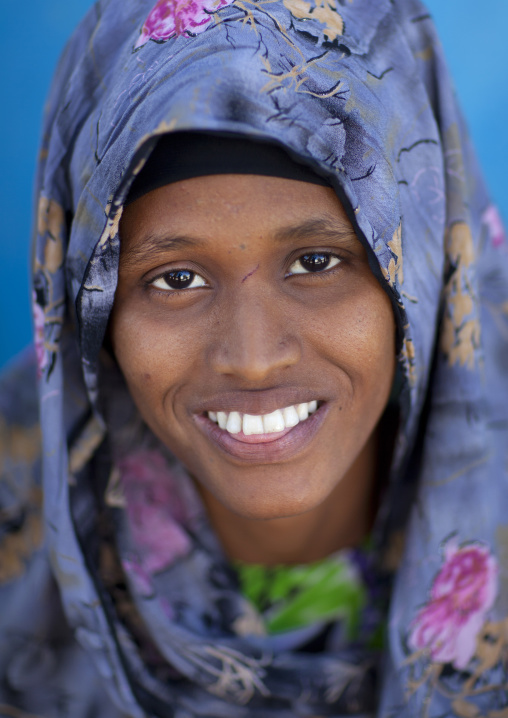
325	229
153	246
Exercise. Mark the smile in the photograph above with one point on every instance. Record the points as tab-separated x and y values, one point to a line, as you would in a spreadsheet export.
279	420
280	435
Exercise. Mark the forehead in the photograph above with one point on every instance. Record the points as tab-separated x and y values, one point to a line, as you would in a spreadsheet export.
244	205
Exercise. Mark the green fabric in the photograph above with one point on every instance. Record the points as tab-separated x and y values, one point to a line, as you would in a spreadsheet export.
291	597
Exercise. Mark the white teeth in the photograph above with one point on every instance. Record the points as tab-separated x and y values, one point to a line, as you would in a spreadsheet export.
290	416
273	422
234	422
303	411
252	424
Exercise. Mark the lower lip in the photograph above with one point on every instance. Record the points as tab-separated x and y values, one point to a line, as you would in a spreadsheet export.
265	448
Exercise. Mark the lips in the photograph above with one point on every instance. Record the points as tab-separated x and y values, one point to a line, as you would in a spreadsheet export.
268	446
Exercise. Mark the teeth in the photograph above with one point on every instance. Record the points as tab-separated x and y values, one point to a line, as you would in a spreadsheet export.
234	422
291	417
273	422
252	424
303	411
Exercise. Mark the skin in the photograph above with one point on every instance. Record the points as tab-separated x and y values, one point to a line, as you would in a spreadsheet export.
254	337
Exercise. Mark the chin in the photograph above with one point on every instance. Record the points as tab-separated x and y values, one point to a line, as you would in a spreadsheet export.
273	505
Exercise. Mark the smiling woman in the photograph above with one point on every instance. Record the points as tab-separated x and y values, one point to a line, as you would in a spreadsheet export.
279	312
269	288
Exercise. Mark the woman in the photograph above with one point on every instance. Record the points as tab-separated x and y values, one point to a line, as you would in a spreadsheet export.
270	312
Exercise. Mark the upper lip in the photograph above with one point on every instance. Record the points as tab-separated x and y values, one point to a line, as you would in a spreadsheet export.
262	401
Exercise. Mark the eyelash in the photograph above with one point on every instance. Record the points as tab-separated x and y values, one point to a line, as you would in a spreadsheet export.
330	257
318	274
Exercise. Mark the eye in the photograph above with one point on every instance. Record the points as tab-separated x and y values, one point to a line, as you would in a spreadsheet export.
314	262
178	279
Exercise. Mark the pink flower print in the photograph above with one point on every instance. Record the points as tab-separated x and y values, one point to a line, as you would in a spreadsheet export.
178	17
156	510
493	220
40	351
462	593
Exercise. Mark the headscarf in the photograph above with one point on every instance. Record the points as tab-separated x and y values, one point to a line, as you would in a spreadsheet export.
357	90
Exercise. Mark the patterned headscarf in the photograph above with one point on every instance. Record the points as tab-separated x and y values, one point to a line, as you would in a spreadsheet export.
358	90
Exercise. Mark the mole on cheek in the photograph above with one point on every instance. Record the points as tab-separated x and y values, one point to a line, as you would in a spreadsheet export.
147	376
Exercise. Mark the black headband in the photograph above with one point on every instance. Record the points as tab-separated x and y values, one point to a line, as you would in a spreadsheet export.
183	155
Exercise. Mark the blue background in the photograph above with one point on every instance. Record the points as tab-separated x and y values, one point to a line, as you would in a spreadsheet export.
475	44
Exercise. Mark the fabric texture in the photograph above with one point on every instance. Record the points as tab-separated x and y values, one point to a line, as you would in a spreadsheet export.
292	597
359	92
183	155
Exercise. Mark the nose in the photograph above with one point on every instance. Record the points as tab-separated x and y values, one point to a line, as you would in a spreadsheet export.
254	339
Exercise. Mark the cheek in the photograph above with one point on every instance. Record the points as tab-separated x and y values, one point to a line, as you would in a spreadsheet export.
154	354
375	331
358	335
377	365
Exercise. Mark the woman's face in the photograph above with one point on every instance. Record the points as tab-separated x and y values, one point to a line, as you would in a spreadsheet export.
247	295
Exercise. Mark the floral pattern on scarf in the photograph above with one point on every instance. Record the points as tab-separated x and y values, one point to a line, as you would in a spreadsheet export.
461	595
178	17
453	631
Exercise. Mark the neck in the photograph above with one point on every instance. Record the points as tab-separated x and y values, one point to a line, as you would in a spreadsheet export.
343	520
